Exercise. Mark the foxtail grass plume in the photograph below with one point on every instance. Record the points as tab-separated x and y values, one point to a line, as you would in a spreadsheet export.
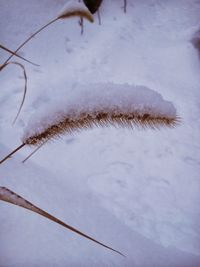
101	118
99	105
71	9
9	196
103	104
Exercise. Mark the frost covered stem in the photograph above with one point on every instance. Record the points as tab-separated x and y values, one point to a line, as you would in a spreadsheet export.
33	35
13	152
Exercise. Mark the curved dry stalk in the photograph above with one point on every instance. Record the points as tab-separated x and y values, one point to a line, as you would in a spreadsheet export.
67	12
14	54
28	39
34	151
25	84
13	198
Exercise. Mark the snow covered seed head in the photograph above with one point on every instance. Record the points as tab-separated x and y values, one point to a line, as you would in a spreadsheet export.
101	105
73	9
98	105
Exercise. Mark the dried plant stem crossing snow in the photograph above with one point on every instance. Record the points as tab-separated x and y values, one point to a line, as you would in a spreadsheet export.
13	198
13	53
71	9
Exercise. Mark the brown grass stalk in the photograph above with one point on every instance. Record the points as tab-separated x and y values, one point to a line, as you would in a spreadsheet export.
14	54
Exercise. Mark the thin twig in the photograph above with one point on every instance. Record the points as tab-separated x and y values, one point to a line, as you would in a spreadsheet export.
28	39
12	153
99	16
81	23
14	54
34	151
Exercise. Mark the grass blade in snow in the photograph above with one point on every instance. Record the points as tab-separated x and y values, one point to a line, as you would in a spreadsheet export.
13	198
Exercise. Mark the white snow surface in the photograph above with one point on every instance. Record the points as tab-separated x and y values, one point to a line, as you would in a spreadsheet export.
137	191
94	98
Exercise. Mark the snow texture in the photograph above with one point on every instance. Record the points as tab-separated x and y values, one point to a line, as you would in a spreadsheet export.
138	191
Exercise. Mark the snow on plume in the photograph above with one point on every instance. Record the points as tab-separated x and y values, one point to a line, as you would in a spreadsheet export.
100	104
73	8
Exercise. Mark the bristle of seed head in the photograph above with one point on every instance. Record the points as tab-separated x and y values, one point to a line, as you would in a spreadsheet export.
68	124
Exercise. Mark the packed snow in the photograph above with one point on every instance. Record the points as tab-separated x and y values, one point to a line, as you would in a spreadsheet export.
137	191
